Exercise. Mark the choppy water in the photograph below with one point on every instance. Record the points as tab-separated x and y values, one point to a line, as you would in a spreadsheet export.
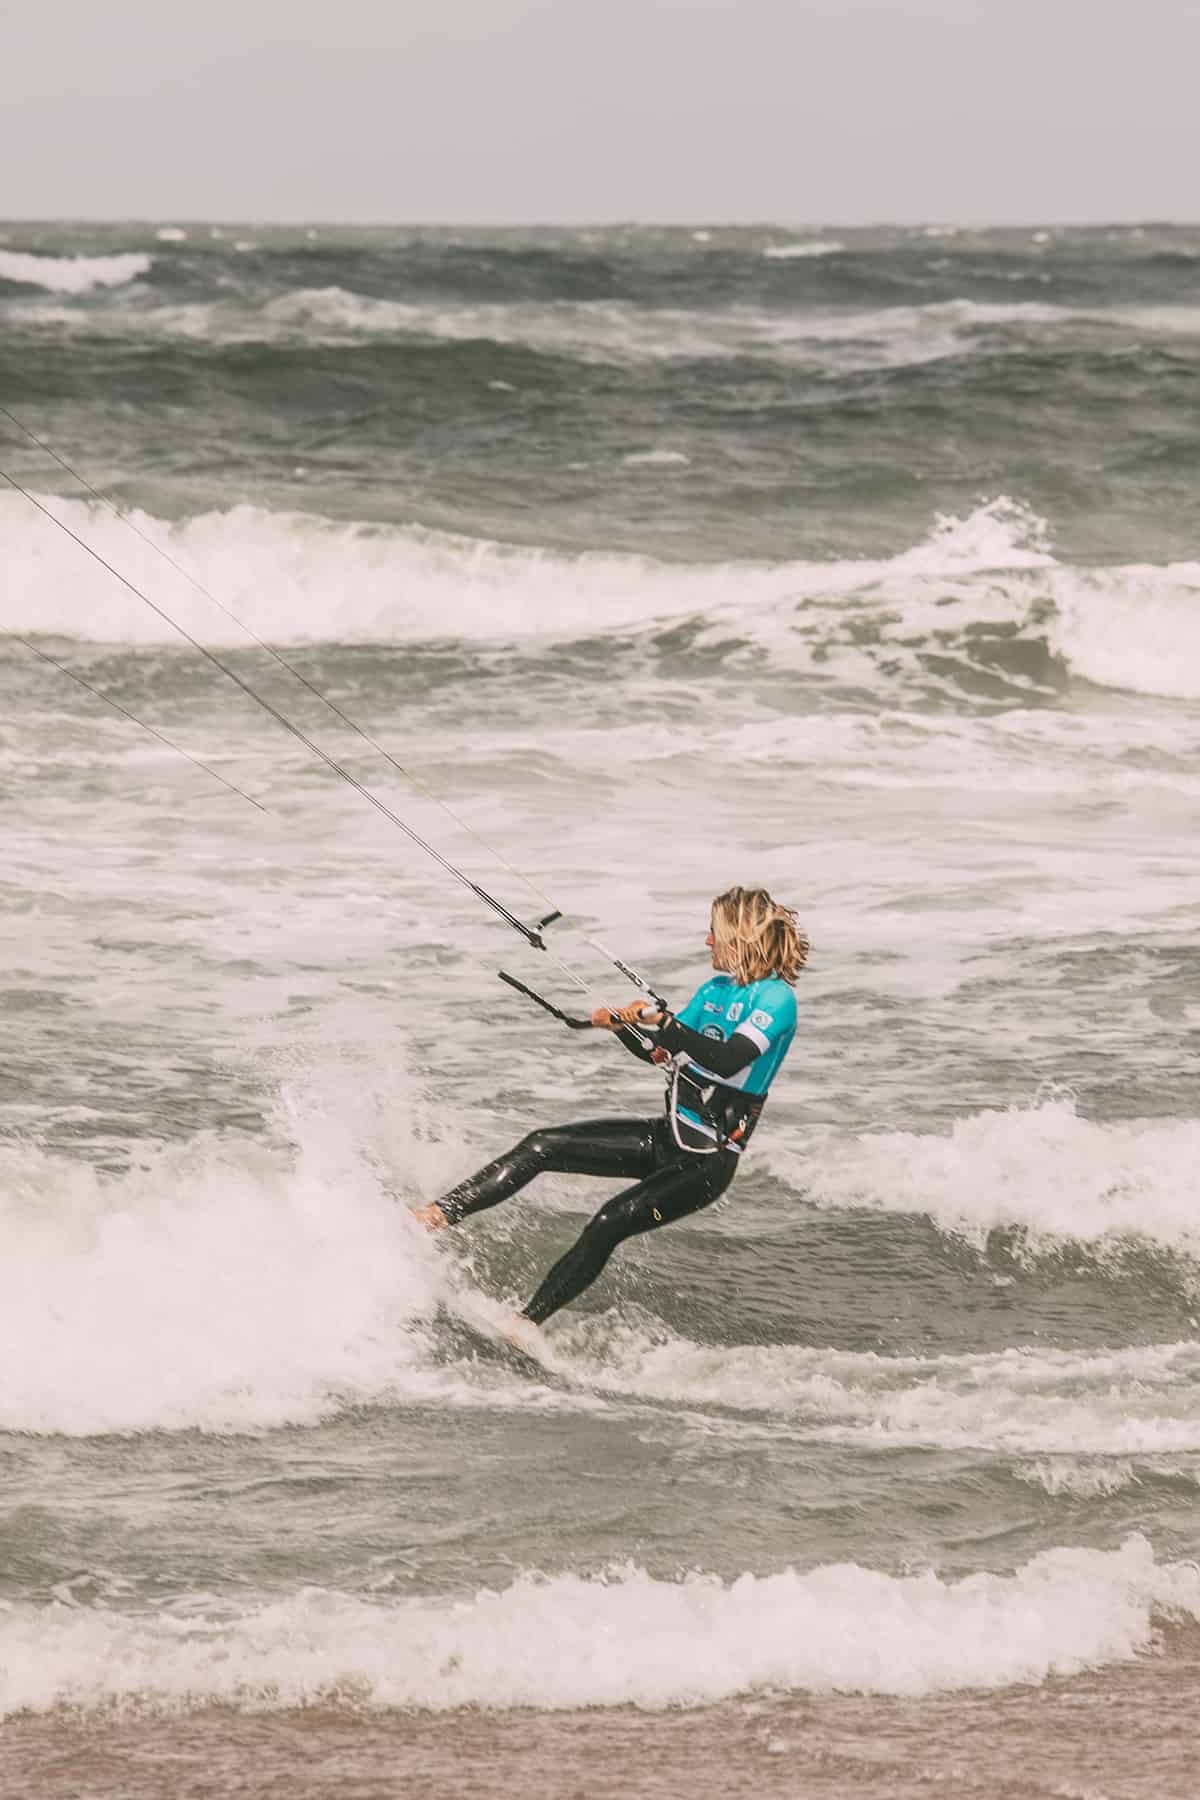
860	564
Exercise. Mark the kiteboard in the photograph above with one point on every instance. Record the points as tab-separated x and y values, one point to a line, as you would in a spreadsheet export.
480	1328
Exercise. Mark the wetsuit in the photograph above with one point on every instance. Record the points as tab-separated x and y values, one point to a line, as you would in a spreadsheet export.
722	1051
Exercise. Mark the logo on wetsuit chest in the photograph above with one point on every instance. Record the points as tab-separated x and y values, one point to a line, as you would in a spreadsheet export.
735	1012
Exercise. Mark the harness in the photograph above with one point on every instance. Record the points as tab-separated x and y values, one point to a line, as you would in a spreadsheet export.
728	1113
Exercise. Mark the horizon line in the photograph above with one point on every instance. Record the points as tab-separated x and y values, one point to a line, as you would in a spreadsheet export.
607	223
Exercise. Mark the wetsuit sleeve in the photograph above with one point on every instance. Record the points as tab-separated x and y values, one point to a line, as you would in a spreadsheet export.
693	1012
644	1052
725	1057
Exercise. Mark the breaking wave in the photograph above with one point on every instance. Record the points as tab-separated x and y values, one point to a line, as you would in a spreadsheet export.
295	577
603	332
615	331
166	1298
792	252
1143	1401
1045	1172
624	1638
72	274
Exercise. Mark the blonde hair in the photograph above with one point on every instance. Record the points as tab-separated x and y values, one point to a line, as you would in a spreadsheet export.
755	937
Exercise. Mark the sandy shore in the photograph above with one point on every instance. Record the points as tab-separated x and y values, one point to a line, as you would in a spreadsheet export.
1128	1734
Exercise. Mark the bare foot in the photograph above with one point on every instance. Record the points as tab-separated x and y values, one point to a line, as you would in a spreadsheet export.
524	1335
431	1217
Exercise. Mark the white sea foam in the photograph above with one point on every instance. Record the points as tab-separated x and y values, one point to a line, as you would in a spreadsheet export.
1079	1476
662	458
1043	1170
1181	321
605	330
592	331
169	1298
1089	1478
814	247
1042	753
610	331
1141	1401
294	577
1136	627
225	1286
600	331
72	274
621	1639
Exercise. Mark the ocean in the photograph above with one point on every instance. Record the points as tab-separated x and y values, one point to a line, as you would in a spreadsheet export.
863	565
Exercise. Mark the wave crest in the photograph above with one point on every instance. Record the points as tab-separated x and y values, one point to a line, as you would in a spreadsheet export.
166	1297
982	593
1019	1402
1044	1172
568	1641
812	247
72	274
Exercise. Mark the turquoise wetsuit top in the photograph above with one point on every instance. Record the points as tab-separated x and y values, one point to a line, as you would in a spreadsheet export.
754	1025
764	1012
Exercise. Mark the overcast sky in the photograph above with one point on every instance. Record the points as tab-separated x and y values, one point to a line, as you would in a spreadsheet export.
523	110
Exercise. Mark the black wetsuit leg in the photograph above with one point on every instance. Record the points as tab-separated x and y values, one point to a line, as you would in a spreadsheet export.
627	1147
684	1185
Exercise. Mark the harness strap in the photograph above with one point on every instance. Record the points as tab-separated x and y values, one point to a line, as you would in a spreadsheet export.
731	1119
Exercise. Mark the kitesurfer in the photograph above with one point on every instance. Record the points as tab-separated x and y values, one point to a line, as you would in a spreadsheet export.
721	1053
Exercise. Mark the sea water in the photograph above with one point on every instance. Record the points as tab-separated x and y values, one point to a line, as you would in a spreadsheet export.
860	565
